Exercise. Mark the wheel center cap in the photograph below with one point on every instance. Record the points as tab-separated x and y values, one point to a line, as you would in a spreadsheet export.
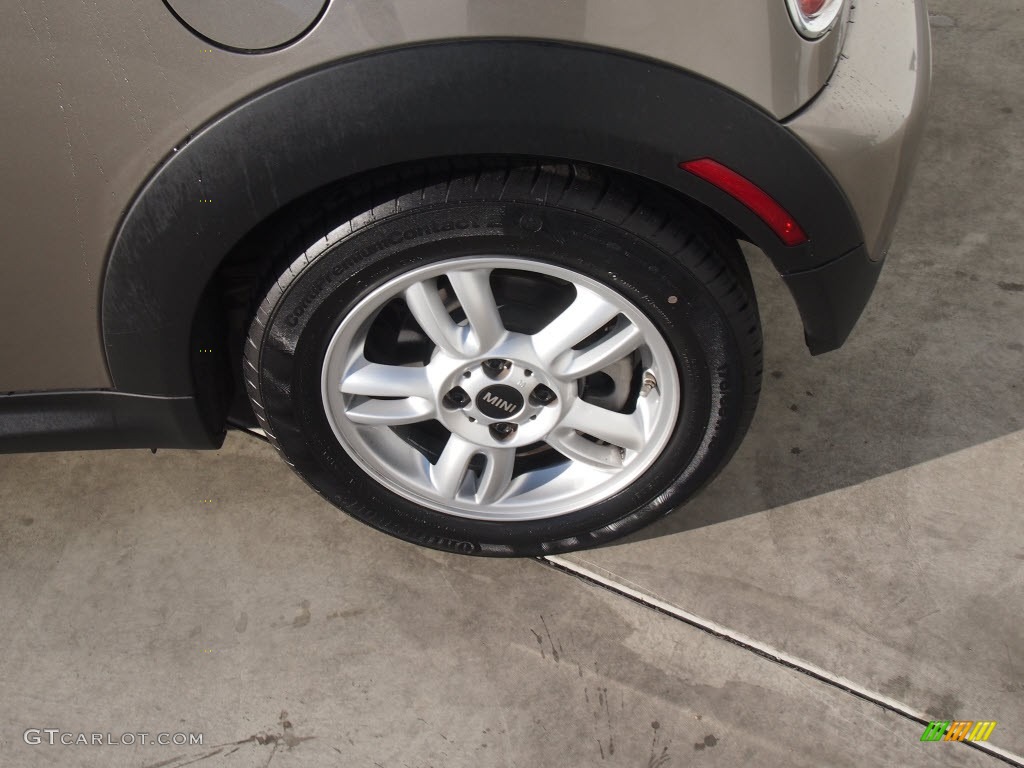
500	401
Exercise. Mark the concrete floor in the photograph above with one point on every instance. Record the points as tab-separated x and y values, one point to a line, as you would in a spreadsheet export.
869	531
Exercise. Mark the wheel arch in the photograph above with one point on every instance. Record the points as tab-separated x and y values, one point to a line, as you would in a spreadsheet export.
491	97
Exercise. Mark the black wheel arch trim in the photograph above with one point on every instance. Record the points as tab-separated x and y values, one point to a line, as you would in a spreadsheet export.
456	98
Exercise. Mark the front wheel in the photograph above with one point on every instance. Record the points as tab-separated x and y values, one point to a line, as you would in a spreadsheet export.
515	359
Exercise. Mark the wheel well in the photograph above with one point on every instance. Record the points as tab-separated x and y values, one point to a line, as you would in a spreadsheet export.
510	97
230	298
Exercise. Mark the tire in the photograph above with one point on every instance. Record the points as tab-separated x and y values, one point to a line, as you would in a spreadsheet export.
579	264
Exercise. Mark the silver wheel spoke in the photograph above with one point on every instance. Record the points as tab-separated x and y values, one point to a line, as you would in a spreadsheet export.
375	380
587	313
576	364
426	306
449	474
391	413
577	448
622	429
497	474
473	289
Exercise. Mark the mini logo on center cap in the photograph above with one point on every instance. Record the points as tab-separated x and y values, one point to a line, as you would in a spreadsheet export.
500	401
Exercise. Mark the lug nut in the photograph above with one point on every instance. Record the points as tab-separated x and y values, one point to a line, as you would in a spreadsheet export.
457	398
495	367
503	430
542	395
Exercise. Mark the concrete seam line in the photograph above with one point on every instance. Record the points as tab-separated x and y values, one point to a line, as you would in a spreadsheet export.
256	432
761	649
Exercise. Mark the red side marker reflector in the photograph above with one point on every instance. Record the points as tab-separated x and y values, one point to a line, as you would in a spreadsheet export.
755	198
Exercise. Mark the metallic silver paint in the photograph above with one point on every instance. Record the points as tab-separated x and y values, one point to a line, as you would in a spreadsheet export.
867	123
245	25
98	94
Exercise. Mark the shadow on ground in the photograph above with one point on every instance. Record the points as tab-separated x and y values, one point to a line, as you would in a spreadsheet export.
934	366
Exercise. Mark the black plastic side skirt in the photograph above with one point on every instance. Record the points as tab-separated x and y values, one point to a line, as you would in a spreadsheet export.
75	421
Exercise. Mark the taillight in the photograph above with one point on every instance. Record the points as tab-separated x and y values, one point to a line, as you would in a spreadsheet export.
810	8
813	18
